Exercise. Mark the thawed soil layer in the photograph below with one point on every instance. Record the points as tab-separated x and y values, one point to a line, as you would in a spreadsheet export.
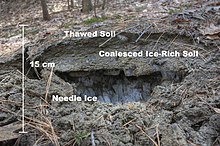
169	101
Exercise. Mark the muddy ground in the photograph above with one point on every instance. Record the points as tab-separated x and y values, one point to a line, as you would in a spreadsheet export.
142	101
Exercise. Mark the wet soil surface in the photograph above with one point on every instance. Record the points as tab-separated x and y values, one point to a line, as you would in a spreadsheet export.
169	101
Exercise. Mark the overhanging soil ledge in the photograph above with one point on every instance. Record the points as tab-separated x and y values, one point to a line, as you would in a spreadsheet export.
174	97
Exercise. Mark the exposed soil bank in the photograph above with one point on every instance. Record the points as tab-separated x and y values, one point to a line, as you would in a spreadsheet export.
178	94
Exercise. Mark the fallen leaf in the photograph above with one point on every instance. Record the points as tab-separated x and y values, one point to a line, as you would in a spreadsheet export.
213	37
217	110
211	32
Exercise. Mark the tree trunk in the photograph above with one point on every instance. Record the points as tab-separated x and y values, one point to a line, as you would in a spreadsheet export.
72	3
86	6
94	7
68	4
103	5
46	15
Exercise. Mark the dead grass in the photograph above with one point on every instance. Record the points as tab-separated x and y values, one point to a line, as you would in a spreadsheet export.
44	126
156	143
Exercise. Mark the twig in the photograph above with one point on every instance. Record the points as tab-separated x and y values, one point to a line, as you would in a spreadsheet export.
36	72
158	40
216	140
10	101
217	110
146	135
48	84
192	143
116	35
9	111
148	36
47	104
158	138
172	41
129	122
39	139
109	144
109	39
5	79
143	33
184	44
72	141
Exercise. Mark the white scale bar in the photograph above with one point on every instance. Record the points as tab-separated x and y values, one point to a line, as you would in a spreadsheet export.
23	78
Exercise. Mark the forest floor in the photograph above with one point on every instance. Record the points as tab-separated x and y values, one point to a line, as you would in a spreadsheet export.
182	104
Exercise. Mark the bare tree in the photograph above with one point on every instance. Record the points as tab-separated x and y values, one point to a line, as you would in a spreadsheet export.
86	6
103	4
70	4
46	15
95	6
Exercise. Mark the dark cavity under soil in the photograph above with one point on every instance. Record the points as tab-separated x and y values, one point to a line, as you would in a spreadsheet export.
113	86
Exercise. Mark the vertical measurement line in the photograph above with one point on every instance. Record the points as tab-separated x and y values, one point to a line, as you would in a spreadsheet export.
23	78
